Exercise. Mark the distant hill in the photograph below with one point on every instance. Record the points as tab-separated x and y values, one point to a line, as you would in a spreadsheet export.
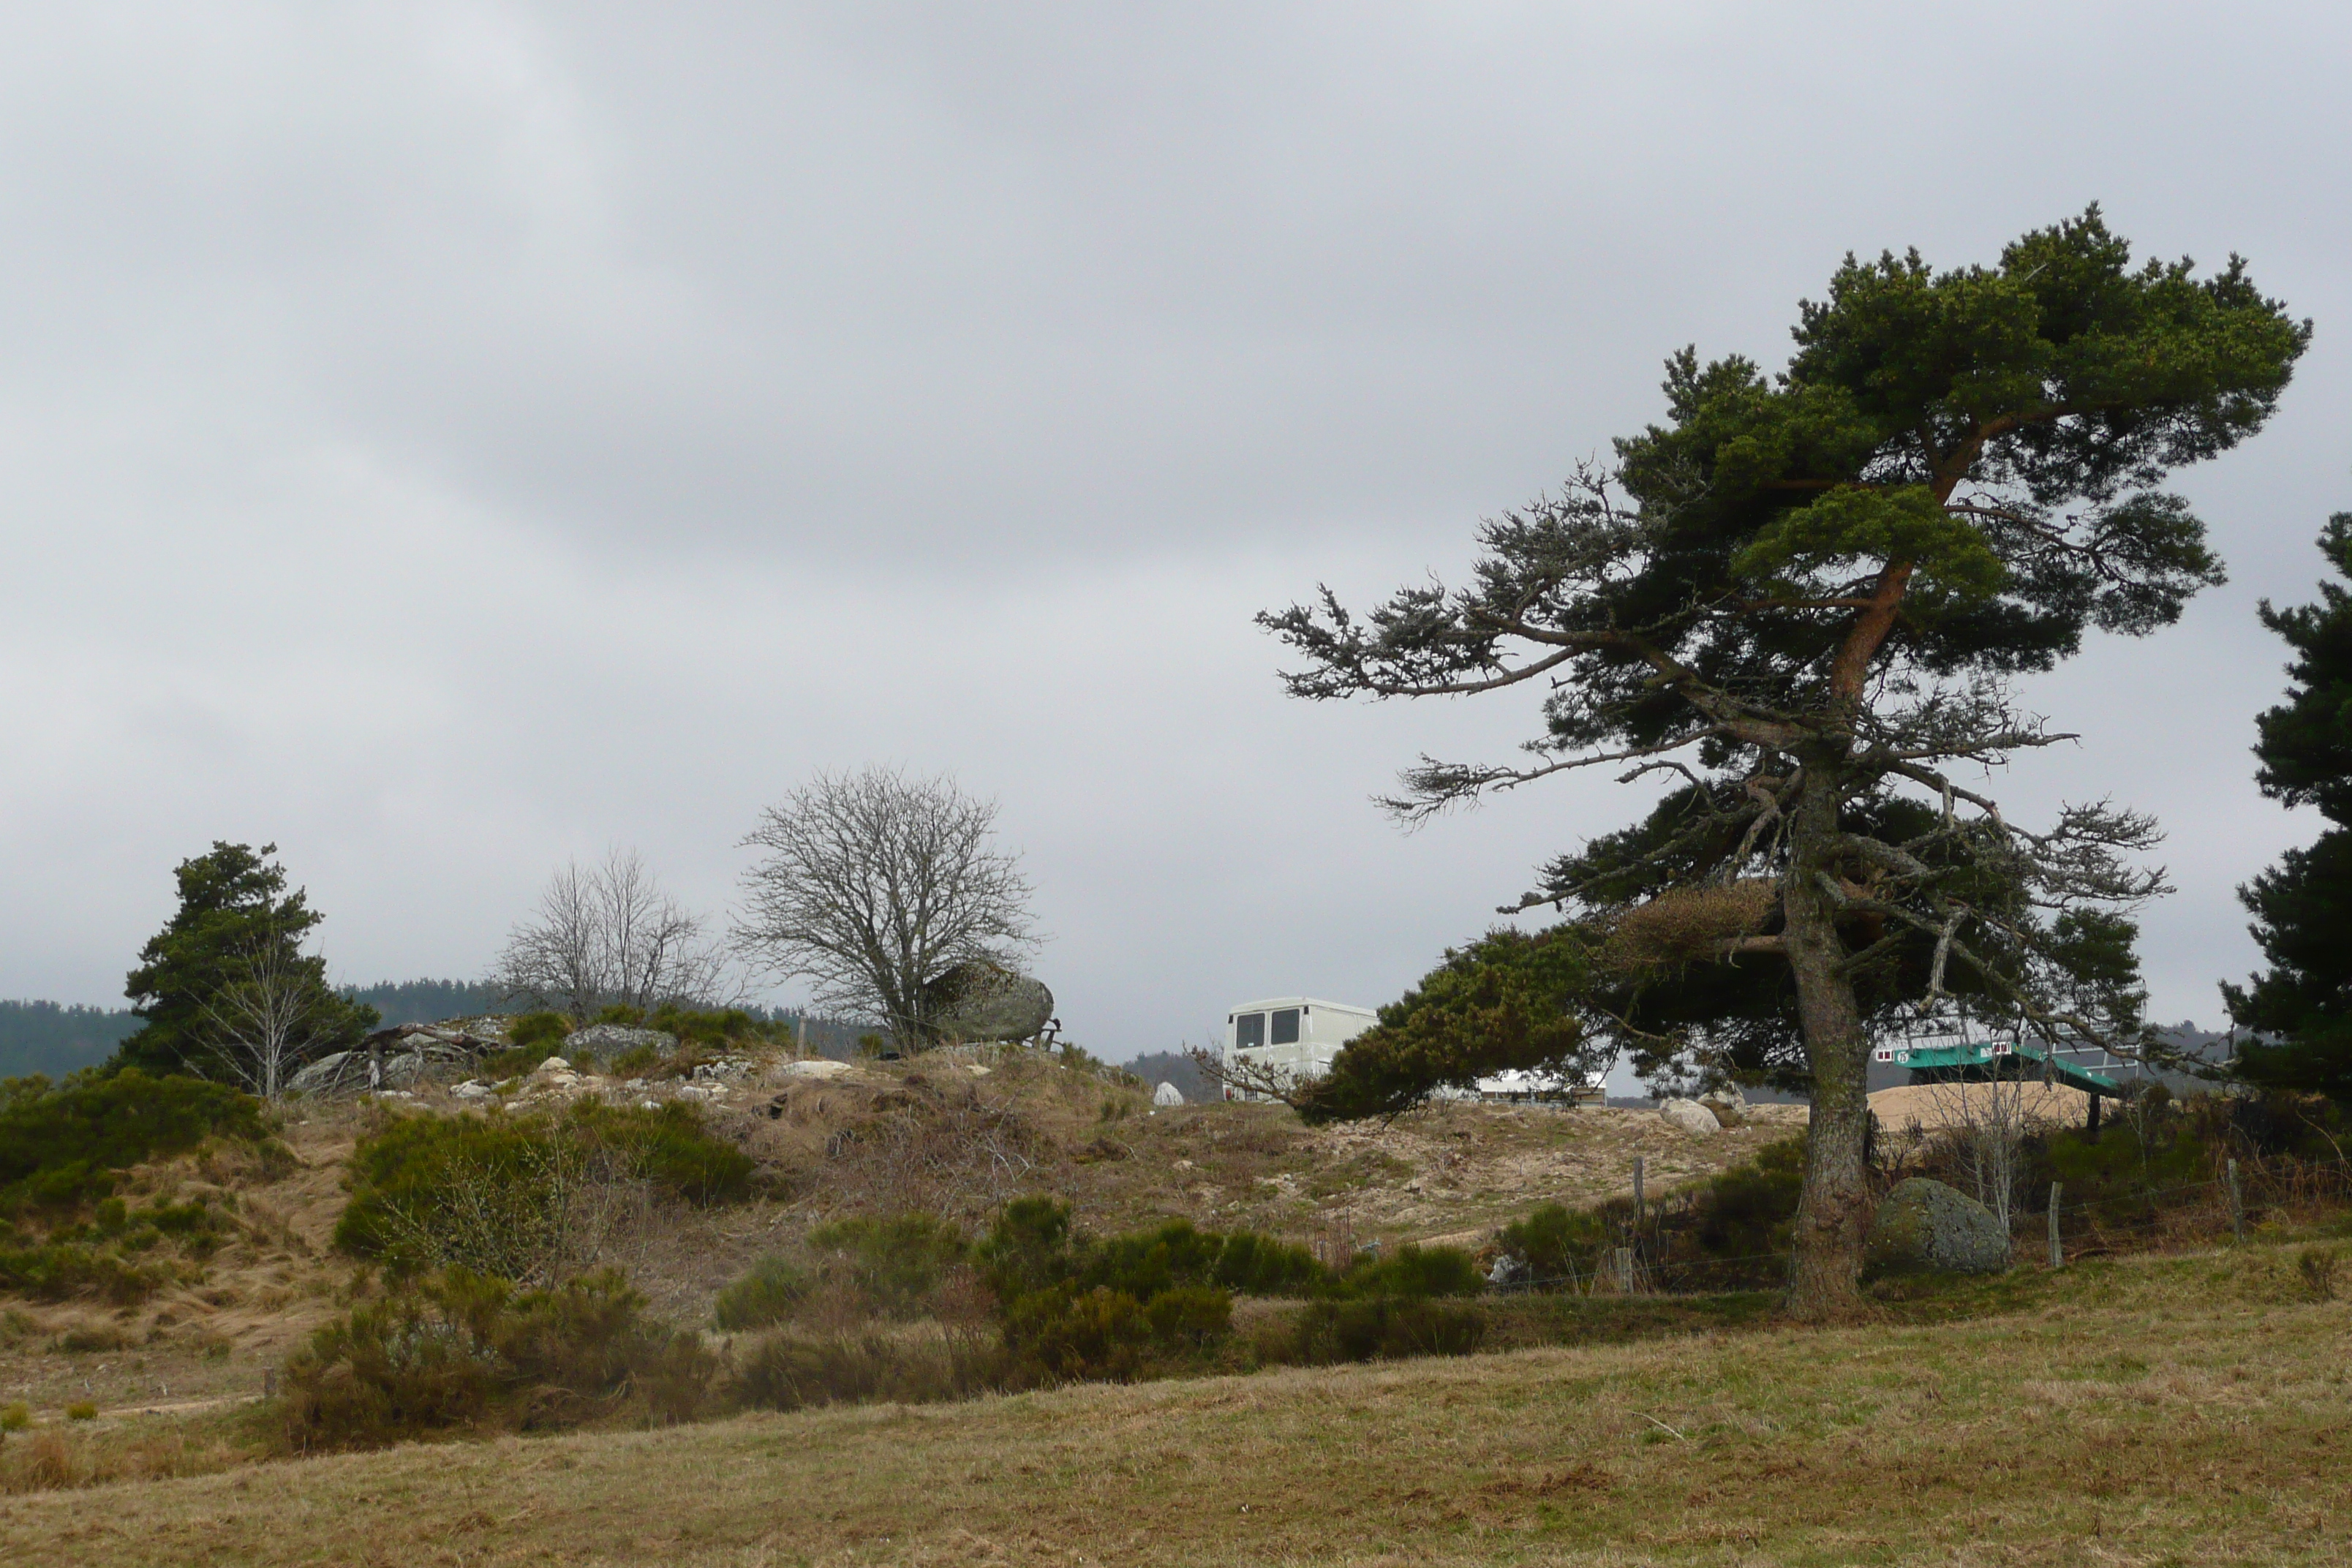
43	1037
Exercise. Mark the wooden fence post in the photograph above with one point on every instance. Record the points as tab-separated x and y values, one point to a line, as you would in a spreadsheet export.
2237	1206
2057	1251
1641	1208
1624	1270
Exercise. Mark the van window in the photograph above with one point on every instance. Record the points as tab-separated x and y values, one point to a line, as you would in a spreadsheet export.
1285	1026
1249	1031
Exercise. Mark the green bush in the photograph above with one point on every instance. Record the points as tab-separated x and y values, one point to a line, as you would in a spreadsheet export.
1411	1273
463	1350
715	1027
1380	1328
765	1296
1070	1335
54	1271
1726	1232
636	1062
897	1262
1194	1317
498	1195
1257	1265
61	1144
789	1371
1031	1246
1554	1245
15	1415
1075	1307
537	1029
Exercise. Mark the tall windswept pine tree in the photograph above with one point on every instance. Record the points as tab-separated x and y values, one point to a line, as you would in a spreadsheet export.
1805	596
2301	1007
237	929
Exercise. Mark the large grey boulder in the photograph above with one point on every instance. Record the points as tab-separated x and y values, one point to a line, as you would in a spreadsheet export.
611	1039
983	1002
326	1073
1167	1094
1691	1117
1926	1227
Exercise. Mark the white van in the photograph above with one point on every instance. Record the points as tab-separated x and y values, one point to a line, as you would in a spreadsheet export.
1296	1036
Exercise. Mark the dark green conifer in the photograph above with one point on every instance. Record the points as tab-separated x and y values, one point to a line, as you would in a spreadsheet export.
2300	1009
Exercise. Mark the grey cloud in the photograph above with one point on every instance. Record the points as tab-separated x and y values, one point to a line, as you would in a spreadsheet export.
449	438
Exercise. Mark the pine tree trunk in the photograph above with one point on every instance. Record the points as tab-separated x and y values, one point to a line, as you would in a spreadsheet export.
1833	1213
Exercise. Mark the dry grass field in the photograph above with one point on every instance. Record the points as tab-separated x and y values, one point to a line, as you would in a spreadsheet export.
2127	1411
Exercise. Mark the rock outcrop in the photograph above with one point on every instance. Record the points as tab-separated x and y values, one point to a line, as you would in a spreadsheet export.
1925	1226
610	1040
402	1056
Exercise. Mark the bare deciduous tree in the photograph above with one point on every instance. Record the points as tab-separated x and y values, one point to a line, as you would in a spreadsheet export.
609	934
876	884
265	1023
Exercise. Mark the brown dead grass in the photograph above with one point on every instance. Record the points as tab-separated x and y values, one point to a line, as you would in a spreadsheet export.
2143	1412
1932	1106
888	1138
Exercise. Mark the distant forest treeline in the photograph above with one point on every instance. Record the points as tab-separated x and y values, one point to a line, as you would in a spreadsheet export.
45	1037
41	1036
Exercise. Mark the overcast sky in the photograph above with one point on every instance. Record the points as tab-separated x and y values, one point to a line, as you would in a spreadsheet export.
443	440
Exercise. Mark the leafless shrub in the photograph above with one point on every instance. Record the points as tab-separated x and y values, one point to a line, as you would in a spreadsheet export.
958	1152
1980	1137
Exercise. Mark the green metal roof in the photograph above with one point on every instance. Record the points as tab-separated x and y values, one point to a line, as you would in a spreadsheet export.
1962	1058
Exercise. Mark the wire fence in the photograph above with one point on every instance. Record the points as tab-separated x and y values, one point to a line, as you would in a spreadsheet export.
1646	1261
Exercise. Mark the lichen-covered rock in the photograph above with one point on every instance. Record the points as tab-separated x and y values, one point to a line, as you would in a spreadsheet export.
986	1002
1691	1117
1926	1227
324	1074
1728	1106
1167	1094
611	1040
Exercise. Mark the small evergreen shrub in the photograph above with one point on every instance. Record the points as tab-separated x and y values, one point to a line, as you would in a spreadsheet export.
896	1263
81	1410
1065	1334
60	1145
1380	1328
504	1196
1412	1273
463	1350
636	1062
56	1270
539	1029
791	1372
15	1415
765	1296
1190	1317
